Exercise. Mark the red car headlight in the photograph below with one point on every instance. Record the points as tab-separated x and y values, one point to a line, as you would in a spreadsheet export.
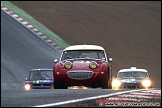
93	65
68	65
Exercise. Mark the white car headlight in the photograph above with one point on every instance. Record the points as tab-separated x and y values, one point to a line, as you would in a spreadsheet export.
93	65
146	83
27	86
68	65
116	83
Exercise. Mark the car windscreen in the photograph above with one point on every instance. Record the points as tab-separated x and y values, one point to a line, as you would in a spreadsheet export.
41	74
74	54
132	74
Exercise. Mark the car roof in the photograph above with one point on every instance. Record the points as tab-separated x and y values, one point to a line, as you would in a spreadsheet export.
41	69
133	69
84	47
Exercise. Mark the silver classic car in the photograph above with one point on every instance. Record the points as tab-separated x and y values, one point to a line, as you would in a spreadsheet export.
132	78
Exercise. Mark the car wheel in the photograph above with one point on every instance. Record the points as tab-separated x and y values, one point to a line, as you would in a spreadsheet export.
56	86
64	87
105	85
60	86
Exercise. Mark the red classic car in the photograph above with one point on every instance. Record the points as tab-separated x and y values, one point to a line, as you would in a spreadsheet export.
83	65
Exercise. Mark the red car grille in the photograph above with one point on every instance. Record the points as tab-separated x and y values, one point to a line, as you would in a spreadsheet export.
80	74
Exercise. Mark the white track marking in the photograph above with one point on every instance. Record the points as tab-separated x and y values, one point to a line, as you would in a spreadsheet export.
84	99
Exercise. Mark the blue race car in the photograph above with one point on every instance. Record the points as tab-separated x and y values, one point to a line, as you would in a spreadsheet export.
40	79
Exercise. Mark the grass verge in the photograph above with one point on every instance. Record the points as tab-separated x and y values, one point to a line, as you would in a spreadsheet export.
55	38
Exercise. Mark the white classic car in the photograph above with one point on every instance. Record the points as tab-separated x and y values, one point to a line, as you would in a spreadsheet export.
132	78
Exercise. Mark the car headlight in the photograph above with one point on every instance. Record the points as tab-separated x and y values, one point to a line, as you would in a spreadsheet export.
146	83
68	65
93	65
116	83
27	86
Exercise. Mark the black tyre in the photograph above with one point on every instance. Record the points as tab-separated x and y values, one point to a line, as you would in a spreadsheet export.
60	86
105	85
56	86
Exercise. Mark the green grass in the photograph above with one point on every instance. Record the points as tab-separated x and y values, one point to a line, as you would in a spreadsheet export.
56	39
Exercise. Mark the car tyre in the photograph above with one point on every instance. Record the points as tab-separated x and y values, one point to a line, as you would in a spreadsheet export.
105	85
60	86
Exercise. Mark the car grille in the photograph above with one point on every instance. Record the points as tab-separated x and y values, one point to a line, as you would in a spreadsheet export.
131	86
82	74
